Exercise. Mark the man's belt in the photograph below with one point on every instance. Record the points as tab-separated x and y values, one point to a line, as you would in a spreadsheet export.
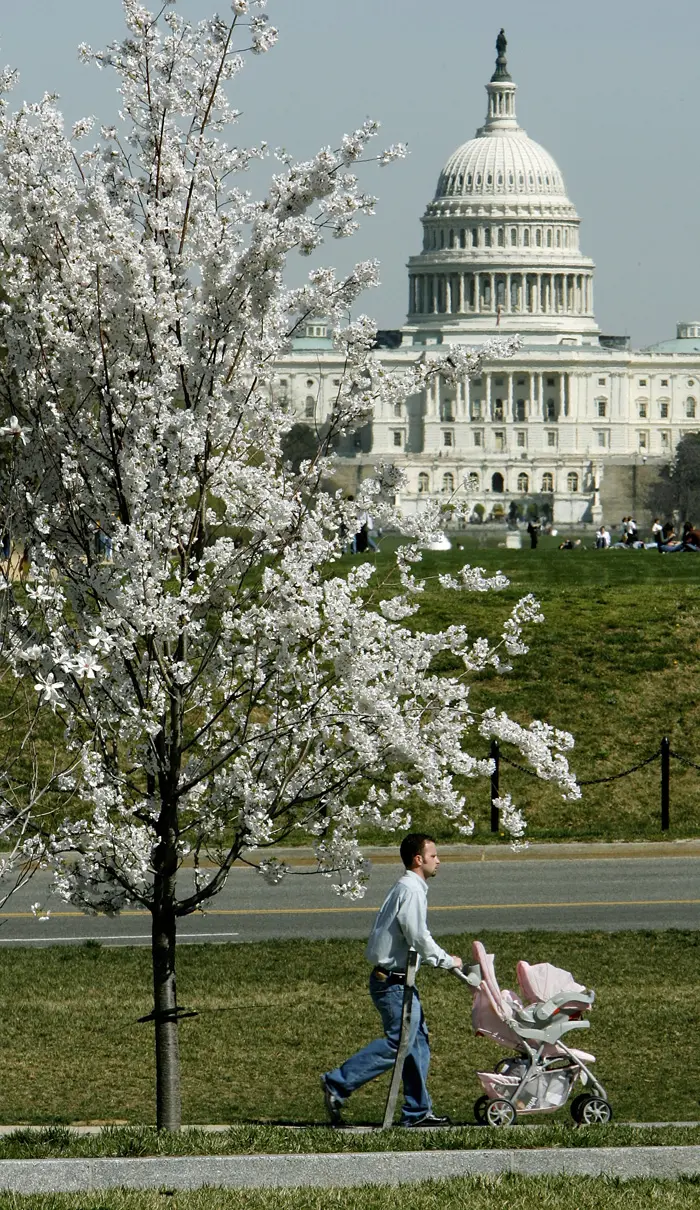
380	972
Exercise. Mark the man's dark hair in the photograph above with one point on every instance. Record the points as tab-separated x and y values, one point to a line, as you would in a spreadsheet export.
412	846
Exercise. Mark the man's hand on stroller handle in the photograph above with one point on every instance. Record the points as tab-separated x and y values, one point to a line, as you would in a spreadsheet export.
456	962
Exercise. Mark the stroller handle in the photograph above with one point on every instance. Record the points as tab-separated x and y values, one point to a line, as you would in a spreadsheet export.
472	979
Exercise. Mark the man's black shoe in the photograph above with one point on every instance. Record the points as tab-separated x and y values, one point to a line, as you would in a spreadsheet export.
333	1103
429	1119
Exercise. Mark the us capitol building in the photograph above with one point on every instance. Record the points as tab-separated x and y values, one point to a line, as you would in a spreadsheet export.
576	423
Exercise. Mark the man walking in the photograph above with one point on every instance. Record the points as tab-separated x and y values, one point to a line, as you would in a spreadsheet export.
401	924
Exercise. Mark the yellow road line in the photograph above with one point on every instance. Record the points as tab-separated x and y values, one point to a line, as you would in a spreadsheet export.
451	907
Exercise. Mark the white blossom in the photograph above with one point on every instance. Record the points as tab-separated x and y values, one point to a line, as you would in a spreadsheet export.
49	689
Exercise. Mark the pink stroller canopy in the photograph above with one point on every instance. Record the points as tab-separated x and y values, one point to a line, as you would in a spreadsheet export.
541	982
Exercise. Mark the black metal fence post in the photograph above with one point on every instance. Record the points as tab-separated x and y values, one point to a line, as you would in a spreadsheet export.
665	783
495	757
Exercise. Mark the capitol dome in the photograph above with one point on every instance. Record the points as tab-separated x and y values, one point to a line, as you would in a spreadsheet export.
511	165
501	238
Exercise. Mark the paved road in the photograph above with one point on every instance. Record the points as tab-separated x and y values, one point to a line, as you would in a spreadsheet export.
607	894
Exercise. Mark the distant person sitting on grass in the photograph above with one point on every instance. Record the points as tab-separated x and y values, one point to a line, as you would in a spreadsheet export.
602	538
670	544
691	537
571	544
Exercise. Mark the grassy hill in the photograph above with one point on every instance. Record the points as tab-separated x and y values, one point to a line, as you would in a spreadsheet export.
615	663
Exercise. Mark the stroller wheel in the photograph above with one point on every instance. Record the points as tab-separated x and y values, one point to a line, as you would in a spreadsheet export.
576	1105
500	1113
594	1111
480	1110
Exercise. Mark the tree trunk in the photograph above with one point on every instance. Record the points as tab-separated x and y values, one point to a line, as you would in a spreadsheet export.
168	1103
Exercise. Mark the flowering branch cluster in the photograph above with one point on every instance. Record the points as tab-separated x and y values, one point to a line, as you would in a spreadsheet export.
222	683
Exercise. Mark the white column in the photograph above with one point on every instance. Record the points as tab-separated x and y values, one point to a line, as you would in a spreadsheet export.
508	308
461	294
510	397
477	293
467	397
448	293
540	395
487	396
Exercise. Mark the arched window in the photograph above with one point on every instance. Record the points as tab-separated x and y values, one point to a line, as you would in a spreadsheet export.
452	238
558	237
501	237
523	483
538	238
442	239
572	481
497	482
309	407
448	483
473	482
397	409
547	482
462	238
423	483
690	407
549	239
526	238
513	236
566	237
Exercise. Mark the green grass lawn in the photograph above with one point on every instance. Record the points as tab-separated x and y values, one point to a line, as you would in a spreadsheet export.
60	1142
274	1015
478	1193
615	663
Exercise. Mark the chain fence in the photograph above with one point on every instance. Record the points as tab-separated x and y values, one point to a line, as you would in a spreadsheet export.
664	753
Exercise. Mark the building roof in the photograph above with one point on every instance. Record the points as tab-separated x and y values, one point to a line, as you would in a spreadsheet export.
687	340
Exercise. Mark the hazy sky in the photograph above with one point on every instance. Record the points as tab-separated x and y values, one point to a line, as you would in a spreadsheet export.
610	87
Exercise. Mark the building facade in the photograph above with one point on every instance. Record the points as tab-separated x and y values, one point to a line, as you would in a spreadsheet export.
577	423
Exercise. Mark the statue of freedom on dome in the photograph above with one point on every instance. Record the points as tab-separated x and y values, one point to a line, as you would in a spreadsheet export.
501	72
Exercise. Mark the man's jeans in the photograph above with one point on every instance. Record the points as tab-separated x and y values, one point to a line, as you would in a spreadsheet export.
379	1056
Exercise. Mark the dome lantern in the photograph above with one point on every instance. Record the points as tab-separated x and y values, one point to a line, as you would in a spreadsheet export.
501	92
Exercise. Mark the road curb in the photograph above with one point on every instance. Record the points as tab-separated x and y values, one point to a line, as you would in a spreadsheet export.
568	850
342	1170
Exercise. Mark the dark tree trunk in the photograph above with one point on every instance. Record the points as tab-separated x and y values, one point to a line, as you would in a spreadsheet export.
168	1102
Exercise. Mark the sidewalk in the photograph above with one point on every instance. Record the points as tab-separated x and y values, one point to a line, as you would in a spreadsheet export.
346	1170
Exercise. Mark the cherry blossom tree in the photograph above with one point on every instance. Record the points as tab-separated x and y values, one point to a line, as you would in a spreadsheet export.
221	679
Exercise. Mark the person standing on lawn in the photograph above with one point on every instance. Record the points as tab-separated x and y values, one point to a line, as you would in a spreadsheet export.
401	924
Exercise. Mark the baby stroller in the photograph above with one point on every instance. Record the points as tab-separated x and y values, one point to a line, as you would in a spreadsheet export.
541	1075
